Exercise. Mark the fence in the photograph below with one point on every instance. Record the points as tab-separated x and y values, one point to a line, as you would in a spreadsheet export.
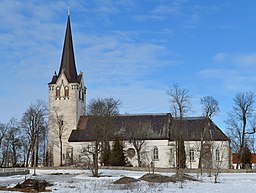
13	171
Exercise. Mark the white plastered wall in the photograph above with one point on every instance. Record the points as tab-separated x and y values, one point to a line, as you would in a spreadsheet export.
167	153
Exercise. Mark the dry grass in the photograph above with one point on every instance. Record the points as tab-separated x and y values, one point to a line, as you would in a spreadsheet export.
125	180
29	185
157	178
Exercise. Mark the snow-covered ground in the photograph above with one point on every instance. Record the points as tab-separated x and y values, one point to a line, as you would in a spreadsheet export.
81	181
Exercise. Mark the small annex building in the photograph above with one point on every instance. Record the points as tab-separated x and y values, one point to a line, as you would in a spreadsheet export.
159	134
251	165
70	129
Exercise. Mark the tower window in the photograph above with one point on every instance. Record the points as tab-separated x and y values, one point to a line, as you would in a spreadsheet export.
66	91
83	96
57	91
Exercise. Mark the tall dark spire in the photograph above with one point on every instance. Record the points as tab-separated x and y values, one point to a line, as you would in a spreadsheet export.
68	65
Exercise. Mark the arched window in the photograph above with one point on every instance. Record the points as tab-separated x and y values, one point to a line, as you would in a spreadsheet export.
79	93
57	91
69	154
66	91
192	155
217	154
83	95
155	153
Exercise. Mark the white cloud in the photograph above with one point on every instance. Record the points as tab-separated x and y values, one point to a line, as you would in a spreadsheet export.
235	72
135	98
118	60
239	59
220	57
192	21
218	73
162	11
245	59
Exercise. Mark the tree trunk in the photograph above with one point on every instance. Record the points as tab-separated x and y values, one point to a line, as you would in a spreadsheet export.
96	166
32	150
32	158
28	155
240	153
44	154
2	162
61	152
7	157
181	147
181	153
138	156
24	158
14	162
37	151
95	161
201	155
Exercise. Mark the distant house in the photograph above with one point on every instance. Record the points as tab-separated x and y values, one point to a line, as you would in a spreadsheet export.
235	160
69	129
160	139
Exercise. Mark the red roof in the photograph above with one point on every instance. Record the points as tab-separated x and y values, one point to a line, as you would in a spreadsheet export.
235	158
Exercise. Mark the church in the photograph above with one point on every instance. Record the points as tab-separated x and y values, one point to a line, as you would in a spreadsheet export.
70	129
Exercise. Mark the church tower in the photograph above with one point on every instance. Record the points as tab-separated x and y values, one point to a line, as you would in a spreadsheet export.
66	104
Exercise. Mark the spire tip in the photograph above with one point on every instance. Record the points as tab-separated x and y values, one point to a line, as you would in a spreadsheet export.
68	10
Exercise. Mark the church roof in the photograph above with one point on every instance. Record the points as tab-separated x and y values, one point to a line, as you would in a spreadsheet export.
194	127
68	65
154	127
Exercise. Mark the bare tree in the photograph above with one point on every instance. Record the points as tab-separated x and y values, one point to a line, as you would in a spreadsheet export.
137	133
219	159
104	107
90	154
13	140
33	123
3	130
24	147
238	122
60	127
210	108
44	142
180	102
101	111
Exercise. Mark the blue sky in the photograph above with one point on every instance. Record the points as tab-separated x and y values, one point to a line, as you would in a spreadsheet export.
131	50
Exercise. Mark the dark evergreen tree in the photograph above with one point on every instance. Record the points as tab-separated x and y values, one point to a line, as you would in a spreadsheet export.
105	159
181	153
246	157
117	157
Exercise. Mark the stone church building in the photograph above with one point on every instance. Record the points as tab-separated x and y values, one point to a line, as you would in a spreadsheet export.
71	130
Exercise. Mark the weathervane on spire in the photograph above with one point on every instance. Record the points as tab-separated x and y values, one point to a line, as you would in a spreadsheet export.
68	10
